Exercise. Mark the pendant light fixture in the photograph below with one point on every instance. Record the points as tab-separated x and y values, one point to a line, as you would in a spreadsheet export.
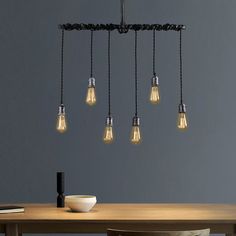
182	119
108	136
91	94
61	118
154	96
135	136
154	93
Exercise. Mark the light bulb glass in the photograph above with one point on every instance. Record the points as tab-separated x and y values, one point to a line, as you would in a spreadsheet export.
61	123
91	96
182	121
135	136
154	95
108	135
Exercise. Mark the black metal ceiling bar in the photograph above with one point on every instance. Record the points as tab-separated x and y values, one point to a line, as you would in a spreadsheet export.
122	28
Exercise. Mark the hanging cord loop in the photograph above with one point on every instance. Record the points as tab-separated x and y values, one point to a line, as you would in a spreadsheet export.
180	67
122	27
136	74
62	65
122	12
91	54
154	52
109	73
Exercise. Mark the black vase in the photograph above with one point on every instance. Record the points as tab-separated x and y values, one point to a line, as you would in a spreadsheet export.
60	189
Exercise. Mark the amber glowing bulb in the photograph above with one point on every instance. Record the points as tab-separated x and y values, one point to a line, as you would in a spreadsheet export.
108	136
154	93
135	136
91	94
61	120
182	119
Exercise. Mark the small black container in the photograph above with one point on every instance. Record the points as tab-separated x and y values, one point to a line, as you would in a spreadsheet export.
60	189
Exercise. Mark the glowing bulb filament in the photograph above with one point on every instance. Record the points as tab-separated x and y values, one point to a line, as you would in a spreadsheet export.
154	95
182	121
135	136
61	123
91	96
108	135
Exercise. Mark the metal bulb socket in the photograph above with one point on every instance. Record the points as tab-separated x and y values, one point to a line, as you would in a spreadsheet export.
62	109
182	108
136	121
109	121
91	82
155	81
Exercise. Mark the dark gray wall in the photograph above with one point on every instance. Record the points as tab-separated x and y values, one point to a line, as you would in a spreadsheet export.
169	166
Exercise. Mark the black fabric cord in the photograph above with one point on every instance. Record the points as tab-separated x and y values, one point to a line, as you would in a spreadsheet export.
91	54
180	67
62	66
109	73
136	74
154	52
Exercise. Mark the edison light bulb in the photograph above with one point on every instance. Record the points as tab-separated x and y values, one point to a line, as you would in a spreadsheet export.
155	94
91	94
61	120
135	136
108	132
182	120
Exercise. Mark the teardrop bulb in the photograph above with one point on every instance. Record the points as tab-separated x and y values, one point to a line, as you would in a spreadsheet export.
91	96
135	136
182	121
108	135
154	95
61	123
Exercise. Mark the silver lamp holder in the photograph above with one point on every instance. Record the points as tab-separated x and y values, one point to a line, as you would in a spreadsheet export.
109	121
182	108
155	81
136	121
62	110
91	82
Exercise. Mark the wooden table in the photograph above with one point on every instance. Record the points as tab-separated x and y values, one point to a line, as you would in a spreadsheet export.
46	218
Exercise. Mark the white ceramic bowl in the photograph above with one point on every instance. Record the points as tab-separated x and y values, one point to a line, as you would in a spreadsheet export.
80	203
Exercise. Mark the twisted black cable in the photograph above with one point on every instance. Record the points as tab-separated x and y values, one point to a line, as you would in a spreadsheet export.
62	65
122	28
180	67
136	74
109	73
91	54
